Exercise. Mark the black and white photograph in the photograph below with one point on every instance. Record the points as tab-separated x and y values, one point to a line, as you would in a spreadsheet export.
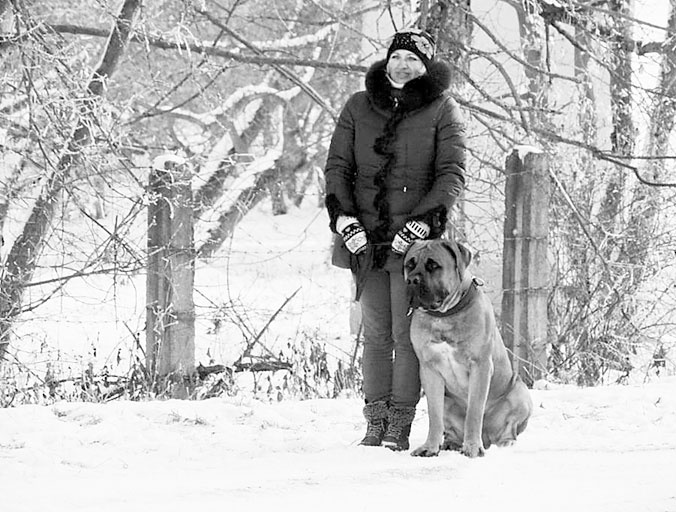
338	255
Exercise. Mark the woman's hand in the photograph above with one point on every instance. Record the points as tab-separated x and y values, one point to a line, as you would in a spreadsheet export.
353	233
412	231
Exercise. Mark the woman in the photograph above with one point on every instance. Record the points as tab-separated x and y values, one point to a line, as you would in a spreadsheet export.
394	169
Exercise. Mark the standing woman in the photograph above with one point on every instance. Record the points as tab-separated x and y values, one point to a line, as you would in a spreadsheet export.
394	169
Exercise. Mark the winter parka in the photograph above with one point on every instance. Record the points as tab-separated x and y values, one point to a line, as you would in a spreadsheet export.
395	158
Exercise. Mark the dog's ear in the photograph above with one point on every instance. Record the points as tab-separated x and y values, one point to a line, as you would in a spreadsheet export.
466	254
462	255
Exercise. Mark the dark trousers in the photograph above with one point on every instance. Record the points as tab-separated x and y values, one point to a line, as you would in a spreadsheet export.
390	366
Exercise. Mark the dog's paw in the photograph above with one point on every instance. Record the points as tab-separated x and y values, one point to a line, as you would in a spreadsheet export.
505	443
425	450
472	450
450	444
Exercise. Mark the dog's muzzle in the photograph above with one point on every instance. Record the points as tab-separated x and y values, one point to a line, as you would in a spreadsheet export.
413	291
418	292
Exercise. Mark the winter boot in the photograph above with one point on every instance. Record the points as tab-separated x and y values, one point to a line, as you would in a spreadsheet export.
399	428
376	423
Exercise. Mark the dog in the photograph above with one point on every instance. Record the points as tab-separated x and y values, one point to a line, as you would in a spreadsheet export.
474	397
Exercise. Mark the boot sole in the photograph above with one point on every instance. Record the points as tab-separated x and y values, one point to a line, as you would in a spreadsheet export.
394	446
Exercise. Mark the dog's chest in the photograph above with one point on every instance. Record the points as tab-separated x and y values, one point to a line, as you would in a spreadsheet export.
439	348
440	333
434	336
438	330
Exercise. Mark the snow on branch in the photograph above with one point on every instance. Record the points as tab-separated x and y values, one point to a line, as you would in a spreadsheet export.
234	186
288	43
245	94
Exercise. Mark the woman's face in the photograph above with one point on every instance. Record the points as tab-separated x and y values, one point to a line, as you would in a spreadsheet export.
403	66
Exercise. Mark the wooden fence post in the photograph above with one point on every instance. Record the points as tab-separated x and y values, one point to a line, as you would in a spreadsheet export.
170	314
525	269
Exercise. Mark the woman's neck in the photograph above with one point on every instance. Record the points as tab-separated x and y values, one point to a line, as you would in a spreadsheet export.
394	84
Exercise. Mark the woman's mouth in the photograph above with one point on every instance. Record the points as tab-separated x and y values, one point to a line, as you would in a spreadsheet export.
401	76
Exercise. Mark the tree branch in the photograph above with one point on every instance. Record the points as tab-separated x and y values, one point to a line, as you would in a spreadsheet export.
278	67
555	137
205	49
513	55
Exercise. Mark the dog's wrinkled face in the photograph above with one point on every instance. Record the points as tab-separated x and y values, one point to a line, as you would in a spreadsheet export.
434	271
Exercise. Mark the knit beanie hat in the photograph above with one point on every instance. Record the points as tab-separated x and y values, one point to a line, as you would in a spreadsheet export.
415	41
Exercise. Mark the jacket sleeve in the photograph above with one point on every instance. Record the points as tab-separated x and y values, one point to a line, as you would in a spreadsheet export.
340	168
449	170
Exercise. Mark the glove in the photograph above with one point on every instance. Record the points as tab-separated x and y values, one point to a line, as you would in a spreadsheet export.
353	233
412	231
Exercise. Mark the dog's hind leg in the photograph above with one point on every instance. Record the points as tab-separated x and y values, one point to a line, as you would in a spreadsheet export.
454	424
452	441
505	420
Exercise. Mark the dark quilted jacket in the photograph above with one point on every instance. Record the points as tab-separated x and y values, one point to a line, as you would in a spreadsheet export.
392	161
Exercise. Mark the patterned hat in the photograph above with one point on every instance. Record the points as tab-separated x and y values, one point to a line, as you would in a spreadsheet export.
415	41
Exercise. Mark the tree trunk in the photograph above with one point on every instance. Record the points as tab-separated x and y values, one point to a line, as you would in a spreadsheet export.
25	251
6	17
646	204
587	112
294	160
533	46
623	134
451	25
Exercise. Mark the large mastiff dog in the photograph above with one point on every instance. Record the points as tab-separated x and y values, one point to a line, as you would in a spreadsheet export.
474	398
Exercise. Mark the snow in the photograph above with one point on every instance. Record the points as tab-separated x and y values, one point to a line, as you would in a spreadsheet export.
609	448
526	149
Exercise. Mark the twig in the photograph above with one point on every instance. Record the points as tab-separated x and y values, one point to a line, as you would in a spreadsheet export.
250	345
263	366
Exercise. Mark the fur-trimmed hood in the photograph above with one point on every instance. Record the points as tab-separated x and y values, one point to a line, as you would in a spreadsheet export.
415	93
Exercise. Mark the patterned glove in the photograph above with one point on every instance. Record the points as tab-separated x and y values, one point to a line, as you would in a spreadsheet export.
353	233
412	231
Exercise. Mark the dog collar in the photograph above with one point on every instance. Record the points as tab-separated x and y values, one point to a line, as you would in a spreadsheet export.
464	301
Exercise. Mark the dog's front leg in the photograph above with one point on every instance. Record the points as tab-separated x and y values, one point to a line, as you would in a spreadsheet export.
480	374
433	385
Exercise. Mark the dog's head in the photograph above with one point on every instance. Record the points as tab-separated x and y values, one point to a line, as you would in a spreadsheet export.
436	273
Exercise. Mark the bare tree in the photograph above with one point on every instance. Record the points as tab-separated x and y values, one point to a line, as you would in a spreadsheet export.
26	250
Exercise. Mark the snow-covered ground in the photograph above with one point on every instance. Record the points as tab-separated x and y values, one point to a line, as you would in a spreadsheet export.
610	448
600	449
